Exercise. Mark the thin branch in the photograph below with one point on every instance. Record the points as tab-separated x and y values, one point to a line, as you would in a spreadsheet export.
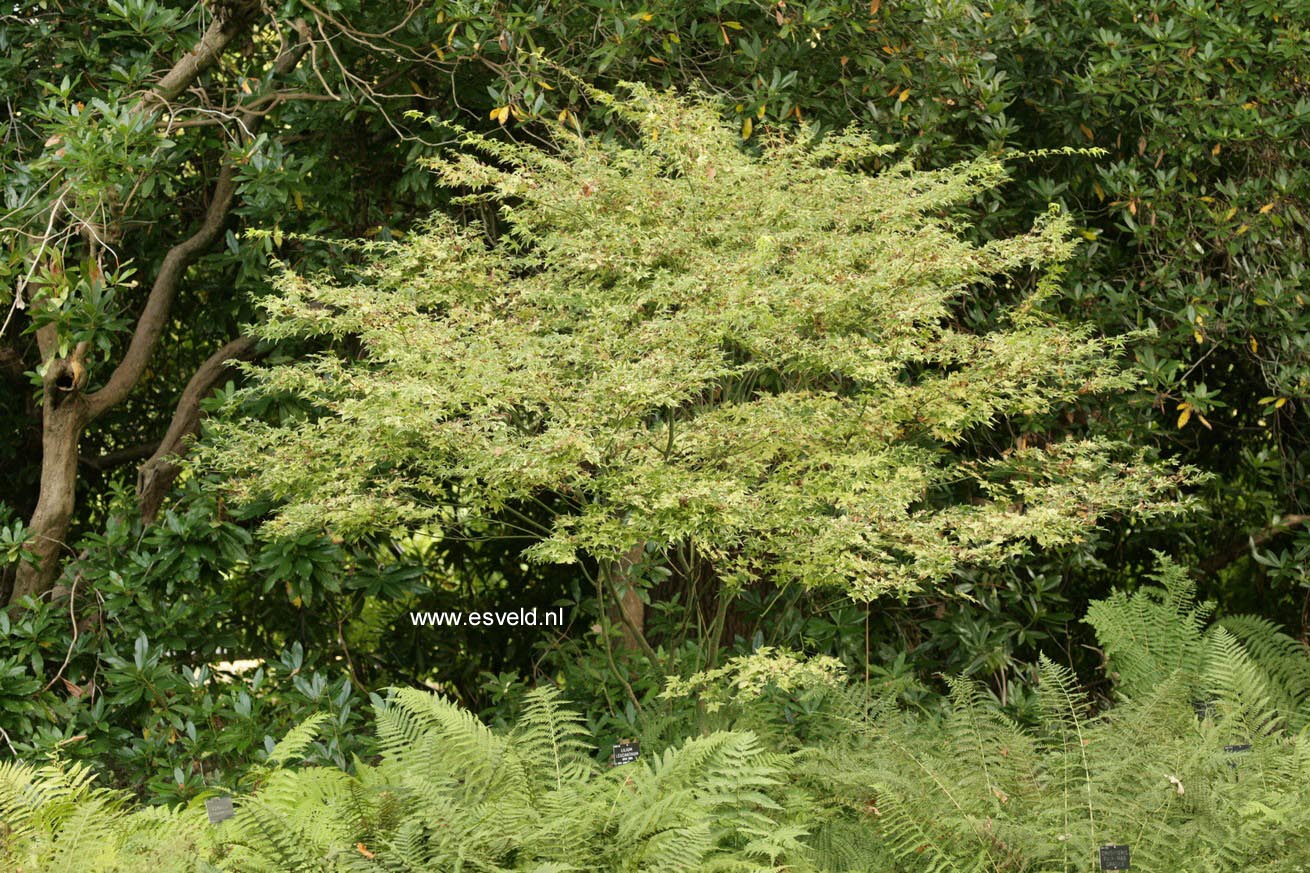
215	40
72	617
157	474
155	314
108	460
1240	548
181	256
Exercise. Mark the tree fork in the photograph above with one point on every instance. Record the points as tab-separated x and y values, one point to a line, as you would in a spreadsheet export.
67	409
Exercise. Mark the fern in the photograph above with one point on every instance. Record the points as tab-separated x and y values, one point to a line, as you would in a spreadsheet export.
877	788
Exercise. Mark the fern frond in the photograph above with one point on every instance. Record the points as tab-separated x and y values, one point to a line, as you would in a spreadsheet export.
297	740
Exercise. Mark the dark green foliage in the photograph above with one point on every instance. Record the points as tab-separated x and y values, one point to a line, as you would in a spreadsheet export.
132	671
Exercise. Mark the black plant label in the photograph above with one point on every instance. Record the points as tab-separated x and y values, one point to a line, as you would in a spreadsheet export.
625	752
1116	858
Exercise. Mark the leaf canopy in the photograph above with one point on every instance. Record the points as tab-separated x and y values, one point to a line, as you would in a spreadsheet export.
677	342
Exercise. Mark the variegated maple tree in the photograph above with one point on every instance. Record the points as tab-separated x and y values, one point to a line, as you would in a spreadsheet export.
683	347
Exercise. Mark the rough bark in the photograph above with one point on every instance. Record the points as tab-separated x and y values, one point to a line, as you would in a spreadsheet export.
630	610
155	477
67	409
64	415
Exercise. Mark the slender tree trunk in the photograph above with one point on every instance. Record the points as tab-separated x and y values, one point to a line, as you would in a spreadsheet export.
63	418
630	610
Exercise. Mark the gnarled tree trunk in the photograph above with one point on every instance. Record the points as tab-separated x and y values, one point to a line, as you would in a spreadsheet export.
67	408
64	415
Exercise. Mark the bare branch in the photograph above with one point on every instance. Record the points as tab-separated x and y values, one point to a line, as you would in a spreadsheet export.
157	474
1247	545
155	314
108	460
215	40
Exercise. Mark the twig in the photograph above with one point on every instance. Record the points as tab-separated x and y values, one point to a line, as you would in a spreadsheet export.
8	742
72	617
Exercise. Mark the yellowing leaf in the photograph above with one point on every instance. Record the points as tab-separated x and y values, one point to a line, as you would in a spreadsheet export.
1230	213
1087	131
1280	403
300	201
905	95
1243	229
1185	416
1098	190
1216	149
643	16
1255	347
735	25
1250	104
1266	208
1205	199
746	127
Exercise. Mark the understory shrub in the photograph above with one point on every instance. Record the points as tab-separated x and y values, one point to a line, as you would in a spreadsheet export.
1199	765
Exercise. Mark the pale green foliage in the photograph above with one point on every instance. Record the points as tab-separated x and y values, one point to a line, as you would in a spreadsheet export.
680	343
1160	631
976	792
448	794
745	678
56	819
1152	632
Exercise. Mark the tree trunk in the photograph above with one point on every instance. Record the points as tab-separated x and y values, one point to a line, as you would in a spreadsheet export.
67	408
63	418
630	610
